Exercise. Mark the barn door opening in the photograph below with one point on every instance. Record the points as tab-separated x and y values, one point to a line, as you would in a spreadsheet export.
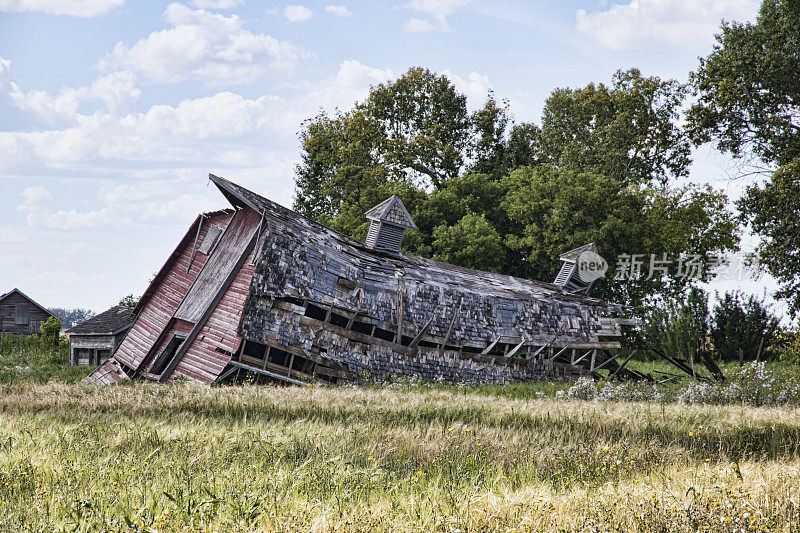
162	361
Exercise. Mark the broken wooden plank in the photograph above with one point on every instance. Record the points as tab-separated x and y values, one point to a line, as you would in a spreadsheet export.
625	362
515	349
422	332
491	346
562	350
269	374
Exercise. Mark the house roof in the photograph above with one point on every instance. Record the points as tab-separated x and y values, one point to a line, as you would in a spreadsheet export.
108	322
31	300
347	250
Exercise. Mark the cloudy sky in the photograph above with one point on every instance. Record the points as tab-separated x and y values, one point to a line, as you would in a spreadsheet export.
113	112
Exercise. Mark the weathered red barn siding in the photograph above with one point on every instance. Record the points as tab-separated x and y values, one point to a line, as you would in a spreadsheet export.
164	297
108	373
174	326
203	361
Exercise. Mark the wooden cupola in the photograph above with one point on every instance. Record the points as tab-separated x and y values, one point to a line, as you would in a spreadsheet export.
389	221
568	278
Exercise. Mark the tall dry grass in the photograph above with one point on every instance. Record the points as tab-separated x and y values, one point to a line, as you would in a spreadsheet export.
186	457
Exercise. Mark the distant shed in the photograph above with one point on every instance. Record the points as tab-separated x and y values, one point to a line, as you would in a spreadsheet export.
94	341
20	314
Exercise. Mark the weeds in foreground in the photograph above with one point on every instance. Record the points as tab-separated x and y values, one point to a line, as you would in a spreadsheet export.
36	359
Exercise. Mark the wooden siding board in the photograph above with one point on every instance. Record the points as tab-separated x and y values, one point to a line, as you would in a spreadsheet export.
202	361
165	297
36	316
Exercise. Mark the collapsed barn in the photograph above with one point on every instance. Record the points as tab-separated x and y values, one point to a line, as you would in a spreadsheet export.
260	291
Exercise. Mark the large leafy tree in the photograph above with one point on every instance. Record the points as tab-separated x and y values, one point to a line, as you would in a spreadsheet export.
490	194
748	91
627	131
556	210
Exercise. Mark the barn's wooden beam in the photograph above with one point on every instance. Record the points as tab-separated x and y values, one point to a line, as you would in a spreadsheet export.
581	358
422	332
625	362
516	348
562	350
491	346
268	373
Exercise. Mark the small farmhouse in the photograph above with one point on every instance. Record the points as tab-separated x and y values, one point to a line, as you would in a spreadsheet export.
258	290
20	314
94	341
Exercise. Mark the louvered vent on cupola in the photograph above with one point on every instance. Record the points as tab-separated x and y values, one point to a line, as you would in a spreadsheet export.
389	221
568	278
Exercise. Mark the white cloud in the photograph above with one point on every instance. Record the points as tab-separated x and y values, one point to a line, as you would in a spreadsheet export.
5	67
416	25
75	8
36	195
437	10
337	11
197	132
297	13
686	23
475	86
216	4
204	46
116	90
9	235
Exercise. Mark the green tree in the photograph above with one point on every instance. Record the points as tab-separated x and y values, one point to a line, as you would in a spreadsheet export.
557	210
488	149
129	301
627	131
425	123
748	92
743	329
472	242
748	87
677	327
773	211
471	193
51	331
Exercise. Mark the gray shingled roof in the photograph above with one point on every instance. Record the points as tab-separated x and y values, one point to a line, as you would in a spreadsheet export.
107	322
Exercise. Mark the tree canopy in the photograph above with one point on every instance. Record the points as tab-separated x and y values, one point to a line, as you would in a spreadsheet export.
748	91
492	194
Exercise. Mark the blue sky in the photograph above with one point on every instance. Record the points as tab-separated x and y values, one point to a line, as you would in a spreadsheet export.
113	112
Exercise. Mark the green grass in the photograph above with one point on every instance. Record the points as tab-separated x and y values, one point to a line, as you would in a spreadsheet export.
408	457
31	359
146	457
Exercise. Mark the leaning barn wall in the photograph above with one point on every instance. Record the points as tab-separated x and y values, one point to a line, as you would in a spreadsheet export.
168	294
292	274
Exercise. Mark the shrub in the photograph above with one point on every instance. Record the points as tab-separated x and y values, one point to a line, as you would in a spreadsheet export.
51	331
677	328
743	329
787	346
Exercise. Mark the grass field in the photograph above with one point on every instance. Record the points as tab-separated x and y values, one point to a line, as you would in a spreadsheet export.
187	457
402	457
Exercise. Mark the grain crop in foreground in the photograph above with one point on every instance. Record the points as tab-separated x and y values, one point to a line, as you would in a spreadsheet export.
185	457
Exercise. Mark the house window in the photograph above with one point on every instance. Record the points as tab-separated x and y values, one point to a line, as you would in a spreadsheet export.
20	314
211	237
162	361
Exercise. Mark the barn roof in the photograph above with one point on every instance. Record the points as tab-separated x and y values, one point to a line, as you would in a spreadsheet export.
333	244
108	322
575	253
31	300
393	211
